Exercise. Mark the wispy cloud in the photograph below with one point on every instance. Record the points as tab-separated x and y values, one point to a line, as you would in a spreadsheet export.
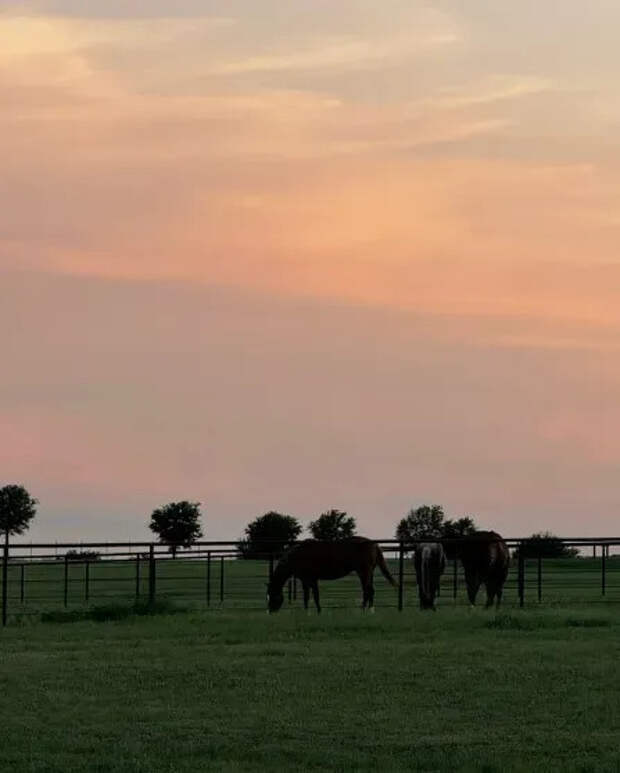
338	53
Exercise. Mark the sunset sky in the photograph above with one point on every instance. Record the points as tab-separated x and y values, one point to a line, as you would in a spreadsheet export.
303	255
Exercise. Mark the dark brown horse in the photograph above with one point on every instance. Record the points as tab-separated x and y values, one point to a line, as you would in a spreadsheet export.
429	561
485	559
314	560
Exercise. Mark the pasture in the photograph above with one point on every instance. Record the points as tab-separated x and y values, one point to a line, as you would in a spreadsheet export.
237	584
238	690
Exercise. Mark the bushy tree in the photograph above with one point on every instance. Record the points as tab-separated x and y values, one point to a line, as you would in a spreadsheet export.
546	545
268	534
333	525
422	522
17	509
82	555
429	522
176	524
459	527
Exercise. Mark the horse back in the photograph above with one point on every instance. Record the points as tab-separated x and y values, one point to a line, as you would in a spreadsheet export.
322	560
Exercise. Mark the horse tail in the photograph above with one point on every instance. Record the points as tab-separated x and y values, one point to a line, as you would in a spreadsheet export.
383	567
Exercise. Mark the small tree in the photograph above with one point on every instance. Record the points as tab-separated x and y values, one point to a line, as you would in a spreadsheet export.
81	555
423	522
269	534
176	524
333	525
459	527
546	545
17	509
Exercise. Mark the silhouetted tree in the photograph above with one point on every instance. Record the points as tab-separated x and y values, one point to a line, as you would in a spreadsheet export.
429	522
269	533
17	509
333	525
81	555
420	523
546	545
176	524
459	527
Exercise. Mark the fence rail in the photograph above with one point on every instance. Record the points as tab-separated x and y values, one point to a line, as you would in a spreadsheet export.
37	577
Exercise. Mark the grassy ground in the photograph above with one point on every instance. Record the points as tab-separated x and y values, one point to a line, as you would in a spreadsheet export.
562	581
532	689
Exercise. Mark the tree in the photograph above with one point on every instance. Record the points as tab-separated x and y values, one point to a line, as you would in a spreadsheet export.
81	555
176	524
270	533
17	509
546	545
333	525
429	522
421	523
459	527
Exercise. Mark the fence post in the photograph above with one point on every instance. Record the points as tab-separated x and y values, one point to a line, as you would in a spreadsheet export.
87	581
221	579
151	574
208	578
137	575
66	582
455	576
22	584
521	575
401	565
539	578
5	577
603	568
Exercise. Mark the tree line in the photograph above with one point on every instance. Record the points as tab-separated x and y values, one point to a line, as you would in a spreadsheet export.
177	525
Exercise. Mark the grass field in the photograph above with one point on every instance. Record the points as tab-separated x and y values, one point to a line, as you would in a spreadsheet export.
563	581
532	689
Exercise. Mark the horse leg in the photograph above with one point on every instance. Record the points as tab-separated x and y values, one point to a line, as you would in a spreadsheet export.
364	591
370	595
491	591
306	588
473	583
315	595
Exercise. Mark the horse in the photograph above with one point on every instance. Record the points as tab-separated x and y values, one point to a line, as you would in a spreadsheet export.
314	560
429	561
485	558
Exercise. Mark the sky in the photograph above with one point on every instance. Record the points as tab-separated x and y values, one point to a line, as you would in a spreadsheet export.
311	255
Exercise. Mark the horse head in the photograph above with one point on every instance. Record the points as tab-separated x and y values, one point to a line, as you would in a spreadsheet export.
275	598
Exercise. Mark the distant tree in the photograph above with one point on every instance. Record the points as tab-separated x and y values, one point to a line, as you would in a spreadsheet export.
459	527
17	509
546	545
176	524
420	523
429	522
269	533
81	555
333	525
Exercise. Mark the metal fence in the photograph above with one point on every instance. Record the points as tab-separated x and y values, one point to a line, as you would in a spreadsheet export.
39	577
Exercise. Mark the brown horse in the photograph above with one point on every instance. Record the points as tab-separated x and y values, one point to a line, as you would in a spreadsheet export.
485	558
314	560
429	561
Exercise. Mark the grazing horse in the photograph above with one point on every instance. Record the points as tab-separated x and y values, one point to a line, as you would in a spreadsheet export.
485	559
314	560
429	561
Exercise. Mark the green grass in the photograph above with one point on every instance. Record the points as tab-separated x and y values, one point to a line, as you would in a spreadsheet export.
564	581
232	690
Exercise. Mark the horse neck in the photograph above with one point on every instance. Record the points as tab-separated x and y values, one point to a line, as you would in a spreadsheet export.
281	574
